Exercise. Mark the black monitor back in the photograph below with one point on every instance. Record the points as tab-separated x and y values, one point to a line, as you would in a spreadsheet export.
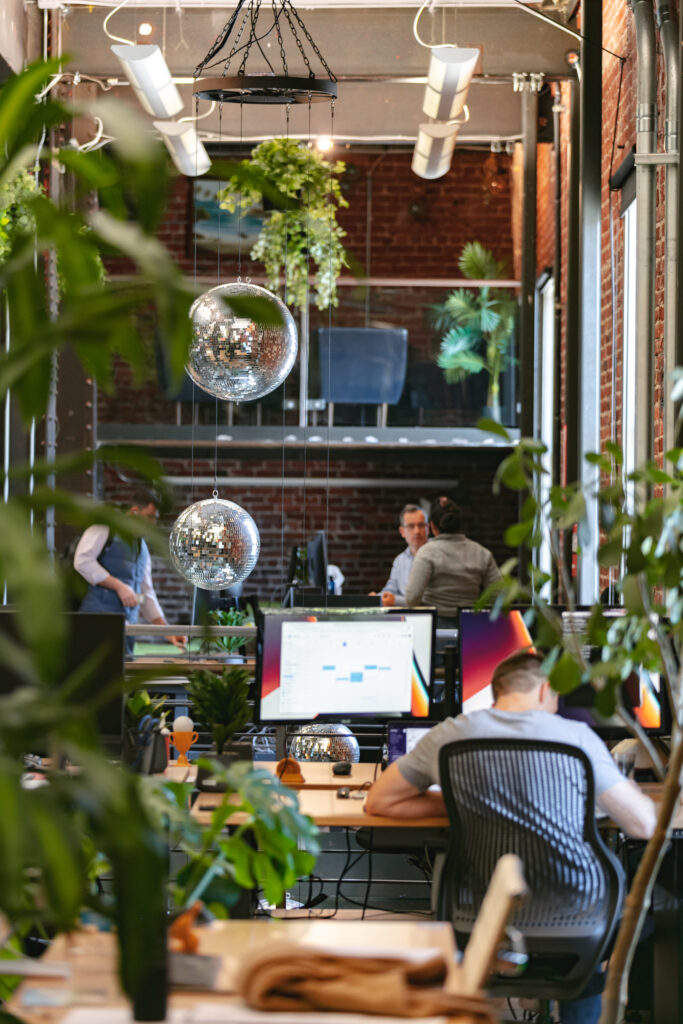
88	633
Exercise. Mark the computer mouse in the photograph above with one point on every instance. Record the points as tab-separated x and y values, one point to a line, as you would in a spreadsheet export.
342	768
343	793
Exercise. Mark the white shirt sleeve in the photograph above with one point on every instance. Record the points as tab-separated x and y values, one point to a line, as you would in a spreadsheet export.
150	607
88	550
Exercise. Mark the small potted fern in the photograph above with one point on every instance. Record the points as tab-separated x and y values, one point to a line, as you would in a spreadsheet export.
221	705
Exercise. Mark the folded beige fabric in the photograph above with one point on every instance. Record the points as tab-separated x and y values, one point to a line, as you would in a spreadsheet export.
301	978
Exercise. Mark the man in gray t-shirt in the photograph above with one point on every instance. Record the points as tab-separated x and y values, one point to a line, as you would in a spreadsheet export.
524	708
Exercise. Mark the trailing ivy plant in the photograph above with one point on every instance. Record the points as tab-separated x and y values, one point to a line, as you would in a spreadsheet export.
641	545
16	216
306	233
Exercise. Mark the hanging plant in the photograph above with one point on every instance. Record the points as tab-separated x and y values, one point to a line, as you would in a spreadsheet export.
294	240
15	215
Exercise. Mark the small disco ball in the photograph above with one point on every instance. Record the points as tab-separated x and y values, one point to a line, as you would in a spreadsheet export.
325	741
214	544
234	357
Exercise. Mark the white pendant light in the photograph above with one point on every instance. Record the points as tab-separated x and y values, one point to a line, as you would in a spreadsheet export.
434	149
148	73
448	80
183	143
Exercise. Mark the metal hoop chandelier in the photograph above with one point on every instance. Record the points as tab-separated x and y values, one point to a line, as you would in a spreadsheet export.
273	87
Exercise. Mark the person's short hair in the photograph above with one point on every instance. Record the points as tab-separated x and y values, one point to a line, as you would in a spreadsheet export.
144	496
407	509
445	515
520	673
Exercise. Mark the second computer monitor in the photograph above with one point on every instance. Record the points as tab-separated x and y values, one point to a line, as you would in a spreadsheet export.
334	664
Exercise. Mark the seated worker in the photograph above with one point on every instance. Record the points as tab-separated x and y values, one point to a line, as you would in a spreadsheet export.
449	571
524	708
412	525
119	572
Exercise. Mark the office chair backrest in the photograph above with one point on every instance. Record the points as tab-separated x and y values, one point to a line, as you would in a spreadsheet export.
536	800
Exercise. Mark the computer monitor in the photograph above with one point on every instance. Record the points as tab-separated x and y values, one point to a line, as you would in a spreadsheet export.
316	551
485	641
95	635
402	738
332	664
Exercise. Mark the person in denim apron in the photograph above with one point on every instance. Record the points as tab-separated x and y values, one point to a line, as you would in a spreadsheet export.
119	573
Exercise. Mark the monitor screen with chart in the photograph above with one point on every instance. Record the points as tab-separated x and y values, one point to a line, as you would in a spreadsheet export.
330	664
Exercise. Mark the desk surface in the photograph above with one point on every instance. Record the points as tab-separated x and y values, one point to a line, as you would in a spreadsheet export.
326	809
91	957
319	774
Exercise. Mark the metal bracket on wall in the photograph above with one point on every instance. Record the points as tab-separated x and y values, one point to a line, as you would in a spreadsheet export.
656	158
523	80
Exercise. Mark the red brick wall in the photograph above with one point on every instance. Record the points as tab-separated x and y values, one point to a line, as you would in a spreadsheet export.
418	229
360	521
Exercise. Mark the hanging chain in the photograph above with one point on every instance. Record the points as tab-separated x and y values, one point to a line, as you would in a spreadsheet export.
299	43
309	37
220	40
236	43
283	57
251	15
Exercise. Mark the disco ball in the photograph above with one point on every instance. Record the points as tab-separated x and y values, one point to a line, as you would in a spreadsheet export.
325	741
234	357
214	544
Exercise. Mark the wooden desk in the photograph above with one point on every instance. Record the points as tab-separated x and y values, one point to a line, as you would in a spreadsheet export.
654	791
91	956
326	809
319	775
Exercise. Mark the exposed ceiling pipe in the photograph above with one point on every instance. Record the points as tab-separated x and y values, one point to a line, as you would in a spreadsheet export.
668	31
646	138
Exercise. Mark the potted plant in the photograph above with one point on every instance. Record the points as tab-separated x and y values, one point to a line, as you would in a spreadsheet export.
229	645
221	704
477	326
307	232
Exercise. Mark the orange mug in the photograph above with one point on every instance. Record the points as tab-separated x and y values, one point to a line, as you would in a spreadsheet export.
182	741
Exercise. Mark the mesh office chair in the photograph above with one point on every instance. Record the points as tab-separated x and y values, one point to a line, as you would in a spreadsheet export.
536	800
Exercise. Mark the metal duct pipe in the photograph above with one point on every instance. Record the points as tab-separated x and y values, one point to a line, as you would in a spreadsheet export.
646	124
668	31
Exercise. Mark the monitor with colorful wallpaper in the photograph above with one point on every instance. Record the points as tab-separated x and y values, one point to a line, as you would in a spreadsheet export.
484	641
332	664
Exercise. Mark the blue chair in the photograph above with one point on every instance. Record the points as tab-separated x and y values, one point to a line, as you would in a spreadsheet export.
362	366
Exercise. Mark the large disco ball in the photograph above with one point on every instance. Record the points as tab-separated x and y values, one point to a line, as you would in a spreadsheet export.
234	357
325	741
214	544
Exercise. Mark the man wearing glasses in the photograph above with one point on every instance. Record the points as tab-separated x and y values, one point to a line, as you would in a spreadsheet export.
413	528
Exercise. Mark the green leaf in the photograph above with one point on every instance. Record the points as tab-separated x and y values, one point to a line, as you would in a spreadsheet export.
518	533
565	674
493	427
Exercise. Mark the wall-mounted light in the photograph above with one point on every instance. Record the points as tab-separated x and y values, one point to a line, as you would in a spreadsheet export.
434	149
448	79
182	142
145	29
148	73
